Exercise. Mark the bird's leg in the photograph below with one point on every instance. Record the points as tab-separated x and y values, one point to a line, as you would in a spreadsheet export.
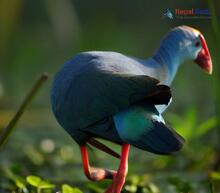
94	174
119	178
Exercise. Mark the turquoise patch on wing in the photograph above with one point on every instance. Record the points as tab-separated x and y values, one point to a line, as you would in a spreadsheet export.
132	124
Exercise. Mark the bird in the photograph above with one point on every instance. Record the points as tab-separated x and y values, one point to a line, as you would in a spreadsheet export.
120	98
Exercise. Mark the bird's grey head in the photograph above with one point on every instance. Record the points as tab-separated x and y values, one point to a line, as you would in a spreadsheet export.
186	43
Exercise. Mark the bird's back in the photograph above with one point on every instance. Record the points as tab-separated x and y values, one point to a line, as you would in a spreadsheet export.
77	77
95	85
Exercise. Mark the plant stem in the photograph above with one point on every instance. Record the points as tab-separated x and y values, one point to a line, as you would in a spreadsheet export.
216	75
7	131
211	186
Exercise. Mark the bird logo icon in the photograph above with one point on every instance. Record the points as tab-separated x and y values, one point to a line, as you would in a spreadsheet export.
168	14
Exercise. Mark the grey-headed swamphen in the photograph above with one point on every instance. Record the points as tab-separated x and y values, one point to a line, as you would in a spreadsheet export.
120	98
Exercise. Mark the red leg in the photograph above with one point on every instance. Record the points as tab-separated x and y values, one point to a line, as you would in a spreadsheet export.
94	174
119	179
122	170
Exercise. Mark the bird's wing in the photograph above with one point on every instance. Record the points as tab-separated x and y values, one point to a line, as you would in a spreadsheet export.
102	95
143	127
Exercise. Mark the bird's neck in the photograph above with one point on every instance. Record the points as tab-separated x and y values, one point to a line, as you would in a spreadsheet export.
169	58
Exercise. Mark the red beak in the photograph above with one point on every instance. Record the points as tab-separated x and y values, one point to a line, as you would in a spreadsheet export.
204	59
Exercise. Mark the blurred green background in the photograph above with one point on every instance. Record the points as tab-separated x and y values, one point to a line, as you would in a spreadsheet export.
39	36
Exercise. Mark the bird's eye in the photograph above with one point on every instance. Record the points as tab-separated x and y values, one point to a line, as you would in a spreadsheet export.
197	43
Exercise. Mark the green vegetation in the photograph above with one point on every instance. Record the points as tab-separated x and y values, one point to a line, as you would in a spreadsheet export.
40	157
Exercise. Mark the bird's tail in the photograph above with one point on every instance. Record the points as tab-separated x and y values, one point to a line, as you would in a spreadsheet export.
103	147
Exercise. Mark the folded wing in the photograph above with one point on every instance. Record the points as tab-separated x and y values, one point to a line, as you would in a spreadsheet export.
143	127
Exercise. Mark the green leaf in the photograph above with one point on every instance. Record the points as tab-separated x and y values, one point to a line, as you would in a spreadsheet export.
68	189
184	124
18	180
152	188
20	183
46	185
206	126
131	188
34	180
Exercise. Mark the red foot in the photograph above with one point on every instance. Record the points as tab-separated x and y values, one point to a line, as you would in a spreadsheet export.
97	174
94	174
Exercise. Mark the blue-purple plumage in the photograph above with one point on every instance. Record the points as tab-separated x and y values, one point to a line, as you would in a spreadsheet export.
95	92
